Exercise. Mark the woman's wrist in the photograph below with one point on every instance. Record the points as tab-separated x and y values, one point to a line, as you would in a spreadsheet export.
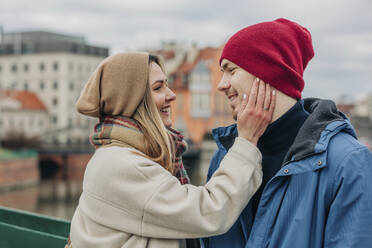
253	140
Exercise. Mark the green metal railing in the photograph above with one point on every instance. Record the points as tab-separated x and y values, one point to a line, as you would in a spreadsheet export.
24	229
6	154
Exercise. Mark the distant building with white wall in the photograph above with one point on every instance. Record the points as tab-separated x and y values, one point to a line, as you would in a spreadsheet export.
55	67
364	108
22	112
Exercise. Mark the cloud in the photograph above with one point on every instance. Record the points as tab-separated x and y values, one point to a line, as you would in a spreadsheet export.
341	29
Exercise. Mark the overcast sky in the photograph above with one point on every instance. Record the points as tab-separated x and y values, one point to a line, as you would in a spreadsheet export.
341	29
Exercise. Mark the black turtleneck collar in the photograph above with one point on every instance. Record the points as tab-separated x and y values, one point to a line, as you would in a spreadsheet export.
280	134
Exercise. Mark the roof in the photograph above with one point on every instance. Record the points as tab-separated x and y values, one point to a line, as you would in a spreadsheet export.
346	108
204	54
209	53
167	54
28	100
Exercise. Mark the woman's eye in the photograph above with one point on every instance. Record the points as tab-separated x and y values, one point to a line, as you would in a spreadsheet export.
157	88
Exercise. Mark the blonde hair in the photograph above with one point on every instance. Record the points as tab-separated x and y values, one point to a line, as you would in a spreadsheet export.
158	145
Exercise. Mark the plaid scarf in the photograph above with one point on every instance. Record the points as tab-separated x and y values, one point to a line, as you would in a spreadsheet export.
180	147
125	132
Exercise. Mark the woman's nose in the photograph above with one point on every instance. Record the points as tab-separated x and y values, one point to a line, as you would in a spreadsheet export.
170	95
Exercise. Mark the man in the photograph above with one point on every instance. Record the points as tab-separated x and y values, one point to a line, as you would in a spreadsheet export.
316	189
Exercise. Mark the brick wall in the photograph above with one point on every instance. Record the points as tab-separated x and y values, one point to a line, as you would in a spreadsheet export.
22	199
19	172
76	164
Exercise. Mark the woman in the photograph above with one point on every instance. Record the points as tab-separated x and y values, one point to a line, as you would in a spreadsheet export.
131	196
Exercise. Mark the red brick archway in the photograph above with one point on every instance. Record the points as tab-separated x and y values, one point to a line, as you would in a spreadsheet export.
63	166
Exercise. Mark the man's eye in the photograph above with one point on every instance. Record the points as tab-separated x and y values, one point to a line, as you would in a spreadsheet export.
231	70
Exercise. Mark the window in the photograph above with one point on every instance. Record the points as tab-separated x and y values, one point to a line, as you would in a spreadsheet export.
54	119
14	85
1	68
69	122
55	101
185	79
171	79
25	67
25	86
42	67
71	86
200	104
200	89
55	66
14	68
180	101
42	85
71	66
55	85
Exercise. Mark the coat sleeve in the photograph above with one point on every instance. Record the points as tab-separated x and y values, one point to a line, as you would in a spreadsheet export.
187	211
132	194
214	164
349	223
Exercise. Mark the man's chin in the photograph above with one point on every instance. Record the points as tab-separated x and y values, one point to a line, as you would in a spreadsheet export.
234	113
235	116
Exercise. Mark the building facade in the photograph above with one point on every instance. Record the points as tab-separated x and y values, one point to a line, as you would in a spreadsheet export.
193	75
22	113
55	67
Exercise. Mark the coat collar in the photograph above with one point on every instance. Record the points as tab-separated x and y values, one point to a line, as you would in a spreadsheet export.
225	136
313	138
322	124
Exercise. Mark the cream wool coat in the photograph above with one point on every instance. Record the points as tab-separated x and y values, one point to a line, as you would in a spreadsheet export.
130	201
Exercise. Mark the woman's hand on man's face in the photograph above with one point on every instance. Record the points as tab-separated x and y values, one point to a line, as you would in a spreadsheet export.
256	111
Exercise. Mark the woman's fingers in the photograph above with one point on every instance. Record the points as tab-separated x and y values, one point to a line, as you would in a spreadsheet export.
261	95
272	104
243	104
253	94
256	112
266	105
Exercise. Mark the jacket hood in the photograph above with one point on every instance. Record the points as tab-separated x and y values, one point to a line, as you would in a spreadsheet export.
315	133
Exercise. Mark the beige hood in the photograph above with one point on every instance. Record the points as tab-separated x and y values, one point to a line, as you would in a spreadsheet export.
116	87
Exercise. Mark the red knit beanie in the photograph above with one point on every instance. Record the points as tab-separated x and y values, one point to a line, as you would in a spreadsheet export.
276	52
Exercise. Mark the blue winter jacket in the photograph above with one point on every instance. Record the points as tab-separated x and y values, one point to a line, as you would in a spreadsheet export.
322	195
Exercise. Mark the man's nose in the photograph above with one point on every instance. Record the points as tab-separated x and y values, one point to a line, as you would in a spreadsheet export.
223	85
